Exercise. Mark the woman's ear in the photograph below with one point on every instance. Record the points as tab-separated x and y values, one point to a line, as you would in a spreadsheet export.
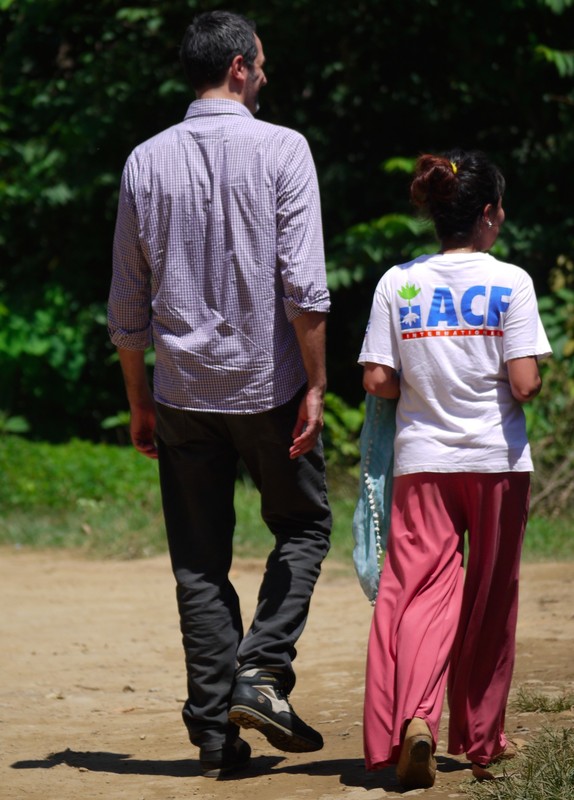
488	214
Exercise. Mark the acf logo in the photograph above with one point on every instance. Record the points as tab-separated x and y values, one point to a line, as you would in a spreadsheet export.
478	307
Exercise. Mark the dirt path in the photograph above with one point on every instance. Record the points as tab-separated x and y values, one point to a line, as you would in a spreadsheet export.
92	683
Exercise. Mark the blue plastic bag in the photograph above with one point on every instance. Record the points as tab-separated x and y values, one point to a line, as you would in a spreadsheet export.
372	512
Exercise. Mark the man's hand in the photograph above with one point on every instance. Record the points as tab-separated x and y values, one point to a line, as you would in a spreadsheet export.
140	398
309	423
142	429
310	331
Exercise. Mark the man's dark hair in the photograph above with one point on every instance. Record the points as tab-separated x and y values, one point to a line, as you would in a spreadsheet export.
211	43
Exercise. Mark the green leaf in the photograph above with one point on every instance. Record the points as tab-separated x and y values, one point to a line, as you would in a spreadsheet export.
562	60
558	6
408	292
399	164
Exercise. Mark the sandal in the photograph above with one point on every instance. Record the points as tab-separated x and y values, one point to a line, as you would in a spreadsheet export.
480	771
417	767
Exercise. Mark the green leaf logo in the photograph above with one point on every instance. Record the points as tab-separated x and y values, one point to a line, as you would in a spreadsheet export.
408	292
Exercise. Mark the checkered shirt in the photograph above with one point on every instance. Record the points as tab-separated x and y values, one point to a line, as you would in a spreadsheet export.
218	247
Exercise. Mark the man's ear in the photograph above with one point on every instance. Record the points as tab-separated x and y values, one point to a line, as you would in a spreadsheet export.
238	68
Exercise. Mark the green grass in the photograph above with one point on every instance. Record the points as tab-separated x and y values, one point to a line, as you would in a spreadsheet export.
528	700
105	500
543	770
99	498
549	540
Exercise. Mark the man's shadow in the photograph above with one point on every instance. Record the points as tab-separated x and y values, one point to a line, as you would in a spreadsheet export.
118	763
350	771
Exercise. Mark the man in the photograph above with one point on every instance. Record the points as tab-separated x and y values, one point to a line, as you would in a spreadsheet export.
218	258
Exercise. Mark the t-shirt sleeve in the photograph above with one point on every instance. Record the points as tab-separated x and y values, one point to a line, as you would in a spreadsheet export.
524	334
380	344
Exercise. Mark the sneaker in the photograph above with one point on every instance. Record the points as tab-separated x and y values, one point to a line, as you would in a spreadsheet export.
225	761
259	701
417	767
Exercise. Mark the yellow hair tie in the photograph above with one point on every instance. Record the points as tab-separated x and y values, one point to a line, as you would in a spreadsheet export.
454	167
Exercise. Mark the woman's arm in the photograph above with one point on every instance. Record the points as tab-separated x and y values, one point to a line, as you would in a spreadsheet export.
524	377
380	380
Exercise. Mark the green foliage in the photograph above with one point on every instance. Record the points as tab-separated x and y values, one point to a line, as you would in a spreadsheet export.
119	420
49	354
543	770
78	473
558	6
342	430
399	164
69	74
529	700
548	535
10	424
79	495
120	424
49	335
564	62
370	85
105	500
550	416
359	253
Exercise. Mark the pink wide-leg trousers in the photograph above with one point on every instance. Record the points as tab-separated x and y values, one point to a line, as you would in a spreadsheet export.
433	624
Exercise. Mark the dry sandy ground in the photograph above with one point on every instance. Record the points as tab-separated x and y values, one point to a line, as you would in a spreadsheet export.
91	684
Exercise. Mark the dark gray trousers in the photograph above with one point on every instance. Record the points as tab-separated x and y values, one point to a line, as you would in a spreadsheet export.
198	458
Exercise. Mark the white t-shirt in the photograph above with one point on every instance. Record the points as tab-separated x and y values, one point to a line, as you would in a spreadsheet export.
448	324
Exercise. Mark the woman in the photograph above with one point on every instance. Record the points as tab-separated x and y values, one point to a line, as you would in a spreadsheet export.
456	337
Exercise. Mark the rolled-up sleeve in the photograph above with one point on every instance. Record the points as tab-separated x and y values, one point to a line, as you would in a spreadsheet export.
129	303
300	250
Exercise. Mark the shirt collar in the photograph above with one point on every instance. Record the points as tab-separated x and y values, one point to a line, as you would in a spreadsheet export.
215	106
